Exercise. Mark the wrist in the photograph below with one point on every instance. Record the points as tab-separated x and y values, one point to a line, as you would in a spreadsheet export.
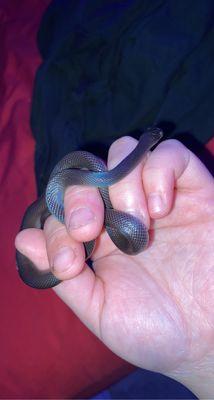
199	378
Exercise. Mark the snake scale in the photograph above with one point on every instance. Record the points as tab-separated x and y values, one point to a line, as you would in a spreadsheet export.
127	232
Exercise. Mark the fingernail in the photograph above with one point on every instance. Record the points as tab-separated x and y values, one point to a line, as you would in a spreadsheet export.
63	260
155	202
81	217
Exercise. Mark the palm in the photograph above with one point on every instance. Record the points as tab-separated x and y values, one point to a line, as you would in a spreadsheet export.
154	309
154	303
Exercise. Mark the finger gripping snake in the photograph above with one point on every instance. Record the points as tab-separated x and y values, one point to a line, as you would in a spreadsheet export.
127	232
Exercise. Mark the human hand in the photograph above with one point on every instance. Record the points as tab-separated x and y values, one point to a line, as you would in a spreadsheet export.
154	309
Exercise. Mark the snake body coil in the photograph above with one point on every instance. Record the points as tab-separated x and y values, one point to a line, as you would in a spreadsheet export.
126	231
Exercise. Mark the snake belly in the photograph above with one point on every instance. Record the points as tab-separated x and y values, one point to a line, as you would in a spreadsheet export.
127	232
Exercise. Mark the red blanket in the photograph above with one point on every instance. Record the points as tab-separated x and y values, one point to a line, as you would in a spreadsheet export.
46	352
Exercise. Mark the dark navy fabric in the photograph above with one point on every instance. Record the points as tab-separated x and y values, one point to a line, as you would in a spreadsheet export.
143	384
110	67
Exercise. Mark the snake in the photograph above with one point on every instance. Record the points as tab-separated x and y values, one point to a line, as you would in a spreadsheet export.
126	231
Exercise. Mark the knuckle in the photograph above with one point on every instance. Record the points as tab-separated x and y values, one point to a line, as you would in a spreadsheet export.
54	231
81	197
170	145
79	193
151	172
120	149
124	140
56	236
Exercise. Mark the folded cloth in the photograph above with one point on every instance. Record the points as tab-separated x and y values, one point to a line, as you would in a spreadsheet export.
111	67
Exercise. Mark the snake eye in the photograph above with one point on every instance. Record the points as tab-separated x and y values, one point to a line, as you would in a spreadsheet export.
155	133
126	231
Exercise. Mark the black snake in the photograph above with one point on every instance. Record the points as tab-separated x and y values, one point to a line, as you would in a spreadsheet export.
126	231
